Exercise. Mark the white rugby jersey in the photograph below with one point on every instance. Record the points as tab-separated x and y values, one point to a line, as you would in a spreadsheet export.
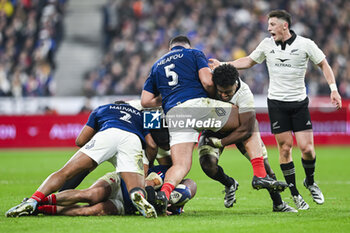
243	99
287	67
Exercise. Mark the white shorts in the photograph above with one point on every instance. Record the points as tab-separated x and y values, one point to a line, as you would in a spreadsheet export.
116	196
122	148
188	118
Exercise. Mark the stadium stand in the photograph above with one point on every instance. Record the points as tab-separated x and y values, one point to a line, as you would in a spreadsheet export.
136	32
30	34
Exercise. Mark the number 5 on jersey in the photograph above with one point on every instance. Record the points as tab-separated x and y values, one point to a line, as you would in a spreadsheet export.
171	74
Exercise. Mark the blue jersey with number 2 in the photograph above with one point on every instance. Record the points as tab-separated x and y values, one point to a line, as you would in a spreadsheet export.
121	116
175	76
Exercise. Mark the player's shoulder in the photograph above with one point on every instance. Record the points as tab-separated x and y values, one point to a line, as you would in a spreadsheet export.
266	44
267	41
303	41
243	97
244	89
194	51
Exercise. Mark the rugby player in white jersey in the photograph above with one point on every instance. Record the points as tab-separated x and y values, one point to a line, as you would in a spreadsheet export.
230	88
287	55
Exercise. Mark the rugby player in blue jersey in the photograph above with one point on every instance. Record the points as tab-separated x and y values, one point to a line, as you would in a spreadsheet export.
181	82
107	136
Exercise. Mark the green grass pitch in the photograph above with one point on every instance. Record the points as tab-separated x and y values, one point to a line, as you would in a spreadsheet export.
22	171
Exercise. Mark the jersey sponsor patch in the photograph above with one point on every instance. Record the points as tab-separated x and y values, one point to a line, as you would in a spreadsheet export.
220	111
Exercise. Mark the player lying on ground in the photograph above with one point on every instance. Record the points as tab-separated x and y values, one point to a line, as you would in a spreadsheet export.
181	81
109	196
230	88
107	136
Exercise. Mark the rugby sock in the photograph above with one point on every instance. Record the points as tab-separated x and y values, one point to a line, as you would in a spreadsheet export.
167	188
309	167
223	178
51	200
48	209
38	196
151	194
275	196
288	170
258	167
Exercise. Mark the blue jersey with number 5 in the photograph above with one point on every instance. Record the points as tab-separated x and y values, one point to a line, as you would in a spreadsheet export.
175	76
121	116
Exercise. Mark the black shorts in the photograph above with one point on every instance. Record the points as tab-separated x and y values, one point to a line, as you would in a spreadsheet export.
161	137
289	116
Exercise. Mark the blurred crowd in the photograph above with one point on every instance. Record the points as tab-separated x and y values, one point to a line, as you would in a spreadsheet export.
30	33
136	33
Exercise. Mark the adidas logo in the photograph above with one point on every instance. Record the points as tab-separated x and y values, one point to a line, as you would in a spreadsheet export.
272	51
308	123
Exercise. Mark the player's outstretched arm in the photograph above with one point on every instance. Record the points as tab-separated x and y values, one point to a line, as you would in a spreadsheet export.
240	64
329	75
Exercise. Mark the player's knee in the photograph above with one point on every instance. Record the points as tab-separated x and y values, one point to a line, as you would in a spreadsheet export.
92	196
308	151
184	165
286	149
209	165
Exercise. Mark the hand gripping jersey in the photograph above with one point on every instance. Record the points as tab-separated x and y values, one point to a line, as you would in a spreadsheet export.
175	76
121	116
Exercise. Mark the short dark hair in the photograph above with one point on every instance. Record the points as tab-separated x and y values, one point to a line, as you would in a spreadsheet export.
225	75
281	14
181	39
117	102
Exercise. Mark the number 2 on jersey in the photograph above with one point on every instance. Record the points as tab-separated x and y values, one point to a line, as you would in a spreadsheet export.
171	74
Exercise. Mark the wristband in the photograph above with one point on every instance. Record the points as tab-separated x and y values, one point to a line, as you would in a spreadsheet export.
333	87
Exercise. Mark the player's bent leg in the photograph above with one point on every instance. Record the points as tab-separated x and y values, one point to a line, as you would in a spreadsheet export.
181	153
182	161
75	181
99	209
260	179
135	184
78	163
209	165
98	192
